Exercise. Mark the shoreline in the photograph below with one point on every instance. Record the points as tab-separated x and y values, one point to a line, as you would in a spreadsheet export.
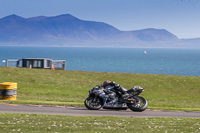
95	46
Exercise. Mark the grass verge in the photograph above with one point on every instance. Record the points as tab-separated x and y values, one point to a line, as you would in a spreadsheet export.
55	123
70	88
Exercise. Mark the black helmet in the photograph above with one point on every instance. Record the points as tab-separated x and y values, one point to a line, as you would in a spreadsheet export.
106	83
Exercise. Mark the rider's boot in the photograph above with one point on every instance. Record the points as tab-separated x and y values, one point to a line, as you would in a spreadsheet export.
124	95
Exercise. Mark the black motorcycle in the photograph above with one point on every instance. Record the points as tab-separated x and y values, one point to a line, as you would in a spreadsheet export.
109	98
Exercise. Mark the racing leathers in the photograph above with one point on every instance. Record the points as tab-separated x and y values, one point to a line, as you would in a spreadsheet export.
117	87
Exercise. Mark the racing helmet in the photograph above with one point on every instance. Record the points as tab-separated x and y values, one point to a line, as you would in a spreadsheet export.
106	83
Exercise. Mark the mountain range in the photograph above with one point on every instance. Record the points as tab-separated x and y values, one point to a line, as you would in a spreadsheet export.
67	30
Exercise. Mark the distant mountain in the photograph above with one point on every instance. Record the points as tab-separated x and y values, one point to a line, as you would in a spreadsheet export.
67	30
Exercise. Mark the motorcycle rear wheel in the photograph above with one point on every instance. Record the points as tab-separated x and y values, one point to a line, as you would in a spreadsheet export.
139	105
93	103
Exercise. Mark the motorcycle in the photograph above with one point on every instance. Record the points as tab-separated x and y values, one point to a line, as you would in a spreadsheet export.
109	98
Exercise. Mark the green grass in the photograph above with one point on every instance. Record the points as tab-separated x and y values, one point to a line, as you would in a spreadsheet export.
55	123
70	88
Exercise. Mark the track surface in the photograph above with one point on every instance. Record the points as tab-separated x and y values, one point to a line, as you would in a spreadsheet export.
78	111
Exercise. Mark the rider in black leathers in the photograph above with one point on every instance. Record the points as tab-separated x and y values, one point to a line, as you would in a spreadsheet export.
117	87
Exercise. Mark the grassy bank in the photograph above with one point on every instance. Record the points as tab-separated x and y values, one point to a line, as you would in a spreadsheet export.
53	123
70	88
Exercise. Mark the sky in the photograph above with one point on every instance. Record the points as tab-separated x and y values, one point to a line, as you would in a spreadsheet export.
180	17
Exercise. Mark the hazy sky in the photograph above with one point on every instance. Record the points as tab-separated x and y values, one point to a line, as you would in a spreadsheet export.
180	17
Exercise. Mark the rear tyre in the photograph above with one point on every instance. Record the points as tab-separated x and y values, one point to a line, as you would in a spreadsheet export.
93	103
139	105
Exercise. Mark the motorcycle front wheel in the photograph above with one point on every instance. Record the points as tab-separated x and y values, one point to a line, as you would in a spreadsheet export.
139	105
93	103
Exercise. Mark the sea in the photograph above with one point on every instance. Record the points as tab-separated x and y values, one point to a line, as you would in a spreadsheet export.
166	61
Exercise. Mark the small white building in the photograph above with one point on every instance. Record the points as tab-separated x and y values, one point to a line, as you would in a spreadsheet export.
37	63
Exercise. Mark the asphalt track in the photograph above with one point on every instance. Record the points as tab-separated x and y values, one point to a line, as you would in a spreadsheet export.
79	111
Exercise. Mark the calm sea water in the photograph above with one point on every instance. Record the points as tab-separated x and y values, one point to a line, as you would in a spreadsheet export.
129	60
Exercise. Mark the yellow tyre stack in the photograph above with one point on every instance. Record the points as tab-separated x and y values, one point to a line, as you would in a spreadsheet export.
8	91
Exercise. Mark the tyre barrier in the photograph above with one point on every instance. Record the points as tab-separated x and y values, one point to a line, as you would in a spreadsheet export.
8	91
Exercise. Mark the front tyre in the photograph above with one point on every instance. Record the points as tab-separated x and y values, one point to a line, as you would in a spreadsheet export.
93	103
139	105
